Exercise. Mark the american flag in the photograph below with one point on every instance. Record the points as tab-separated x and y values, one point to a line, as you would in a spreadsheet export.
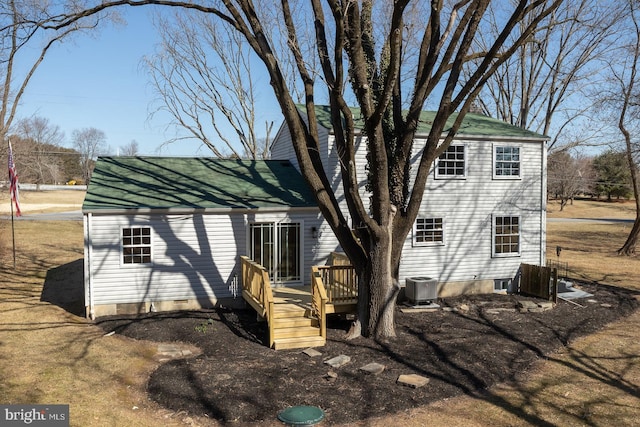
13	182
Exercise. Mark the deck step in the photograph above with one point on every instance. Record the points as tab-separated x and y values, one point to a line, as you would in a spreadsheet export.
296	332
291	343
344	307
289	310
291	322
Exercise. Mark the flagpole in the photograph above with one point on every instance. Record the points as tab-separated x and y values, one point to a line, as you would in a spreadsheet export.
13	233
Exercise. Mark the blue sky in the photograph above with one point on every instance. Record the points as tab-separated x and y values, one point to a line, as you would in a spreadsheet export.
98	81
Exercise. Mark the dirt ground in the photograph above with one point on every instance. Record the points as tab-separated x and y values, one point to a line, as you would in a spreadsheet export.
482	341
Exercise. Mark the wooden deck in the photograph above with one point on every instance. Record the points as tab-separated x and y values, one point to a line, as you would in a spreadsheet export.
296	315
301	296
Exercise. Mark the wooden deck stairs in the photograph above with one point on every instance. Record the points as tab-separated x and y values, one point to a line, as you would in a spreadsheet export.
294	324
296	315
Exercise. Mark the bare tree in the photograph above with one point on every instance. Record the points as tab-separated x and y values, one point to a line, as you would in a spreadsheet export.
202	74
44	163
566	176
346	49
543	86
26	36
90	143
130	149
624	73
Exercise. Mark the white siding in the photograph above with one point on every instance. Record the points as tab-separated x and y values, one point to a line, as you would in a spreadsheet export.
194	256
468	206
282	147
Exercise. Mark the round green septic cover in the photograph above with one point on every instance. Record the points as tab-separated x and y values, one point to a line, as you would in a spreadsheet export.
301	415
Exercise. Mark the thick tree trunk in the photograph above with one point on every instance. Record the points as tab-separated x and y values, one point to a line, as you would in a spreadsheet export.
629	247
377	289
383	293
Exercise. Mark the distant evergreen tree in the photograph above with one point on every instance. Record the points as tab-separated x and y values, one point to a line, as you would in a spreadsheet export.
614	178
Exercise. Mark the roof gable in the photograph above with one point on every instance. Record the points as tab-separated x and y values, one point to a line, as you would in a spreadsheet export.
180	183
472	124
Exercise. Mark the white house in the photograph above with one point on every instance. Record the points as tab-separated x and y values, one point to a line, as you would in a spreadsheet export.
167	233
484	211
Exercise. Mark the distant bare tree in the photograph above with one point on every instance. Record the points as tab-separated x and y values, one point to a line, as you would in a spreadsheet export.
568	176
44	163
203	76
90	143
587	174
130	149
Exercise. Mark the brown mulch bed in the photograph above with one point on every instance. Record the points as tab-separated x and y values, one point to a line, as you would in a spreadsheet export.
238	380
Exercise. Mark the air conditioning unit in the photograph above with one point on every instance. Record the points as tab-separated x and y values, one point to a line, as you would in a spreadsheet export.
421	289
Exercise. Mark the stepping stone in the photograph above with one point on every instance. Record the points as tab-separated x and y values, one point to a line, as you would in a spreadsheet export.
312	352
169	350
373	368
547	305
413	380
527	305
425	309
338	361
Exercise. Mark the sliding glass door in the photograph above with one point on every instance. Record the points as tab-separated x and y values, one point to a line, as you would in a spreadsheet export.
277	248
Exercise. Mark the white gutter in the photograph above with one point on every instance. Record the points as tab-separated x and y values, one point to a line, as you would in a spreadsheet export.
88	253
193	211
543	205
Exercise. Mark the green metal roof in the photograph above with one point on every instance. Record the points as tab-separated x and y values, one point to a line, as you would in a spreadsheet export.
472	124
180	183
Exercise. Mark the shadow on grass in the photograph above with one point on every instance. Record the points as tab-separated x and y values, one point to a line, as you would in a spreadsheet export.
64	287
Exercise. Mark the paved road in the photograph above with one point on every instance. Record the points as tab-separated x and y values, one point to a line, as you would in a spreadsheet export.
54	216
597	220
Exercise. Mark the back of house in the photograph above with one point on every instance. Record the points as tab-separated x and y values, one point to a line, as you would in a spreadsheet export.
483	212
166	233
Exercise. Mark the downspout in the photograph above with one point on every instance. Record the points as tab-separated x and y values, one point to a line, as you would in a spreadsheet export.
88	244
543	205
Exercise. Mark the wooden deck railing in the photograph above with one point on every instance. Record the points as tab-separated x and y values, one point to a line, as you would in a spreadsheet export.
330	284
319	300
341	283
256	285
338	258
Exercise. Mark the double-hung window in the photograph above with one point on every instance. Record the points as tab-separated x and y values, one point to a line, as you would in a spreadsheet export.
428	231
506	162
452	163
506	236
136	245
